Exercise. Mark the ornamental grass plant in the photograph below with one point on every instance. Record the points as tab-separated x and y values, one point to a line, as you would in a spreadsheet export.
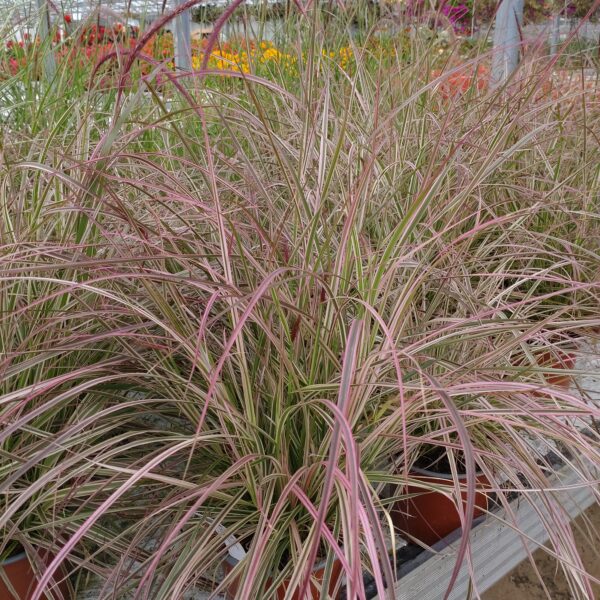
238	304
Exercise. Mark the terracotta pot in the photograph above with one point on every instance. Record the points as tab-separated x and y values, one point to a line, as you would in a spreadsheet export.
19	572
558	360
430	516
460	82
318	573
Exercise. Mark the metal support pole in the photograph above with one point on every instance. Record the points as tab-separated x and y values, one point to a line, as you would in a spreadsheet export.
507	40
183	40
555	34
44	33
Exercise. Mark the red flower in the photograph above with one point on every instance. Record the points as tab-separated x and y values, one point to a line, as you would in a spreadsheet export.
67	19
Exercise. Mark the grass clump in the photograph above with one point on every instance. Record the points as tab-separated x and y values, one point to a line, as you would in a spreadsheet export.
242	301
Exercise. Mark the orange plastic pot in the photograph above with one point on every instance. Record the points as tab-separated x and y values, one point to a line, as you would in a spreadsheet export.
460	82
430	516
558	360
19	573
314	591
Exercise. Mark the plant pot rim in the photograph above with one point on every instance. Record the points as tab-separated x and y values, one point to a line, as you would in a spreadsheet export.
447	476
13	559
232	561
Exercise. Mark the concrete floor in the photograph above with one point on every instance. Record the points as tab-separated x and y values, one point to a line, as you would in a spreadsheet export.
523	584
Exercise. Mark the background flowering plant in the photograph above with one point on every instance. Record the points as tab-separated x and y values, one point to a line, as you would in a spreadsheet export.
534	10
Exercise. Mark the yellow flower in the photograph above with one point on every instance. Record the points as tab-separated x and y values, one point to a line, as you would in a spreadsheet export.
272	54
